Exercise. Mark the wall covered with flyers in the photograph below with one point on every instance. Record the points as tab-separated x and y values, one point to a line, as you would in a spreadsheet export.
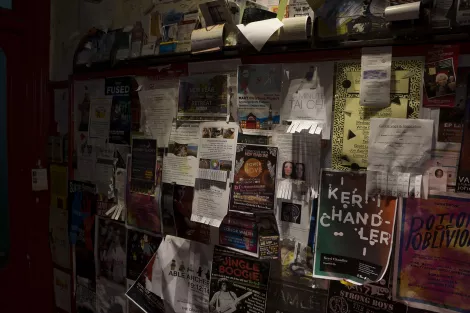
335	184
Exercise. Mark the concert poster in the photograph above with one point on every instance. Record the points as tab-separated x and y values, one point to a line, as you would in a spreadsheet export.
255	178
239	284
120	89
140	248
144	163
82	203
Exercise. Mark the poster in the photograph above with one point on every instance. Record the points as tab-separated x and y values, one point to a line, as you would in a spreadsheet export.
463	174
430	271
100	118
120	126
238	283
351	120
59	237
59	179
82	200
110	297
62	290
83	91
259	95
85	295
367	223
440	76
144	163
143	212
203	97
309	93
186	267
140	249
111	251
146	292
255	178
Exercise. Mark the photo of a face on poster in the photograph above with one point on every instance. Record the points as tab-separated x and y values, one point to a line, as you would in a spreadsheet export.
439	78
293	170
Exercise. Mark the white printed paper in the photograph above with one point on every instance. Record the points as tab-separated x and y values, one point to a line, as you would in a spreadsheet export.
216	157
293	219
180	163
62	290
157	114
39	179
399	145
309	93
258	33
376	68
100	118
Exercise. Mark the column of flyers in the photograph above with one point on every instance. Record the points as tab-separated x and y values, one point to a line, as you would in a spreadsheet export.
238	283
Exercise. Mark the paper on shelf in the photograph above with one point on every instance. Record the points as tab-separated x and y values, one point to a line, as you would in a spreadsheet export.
207	39
258	33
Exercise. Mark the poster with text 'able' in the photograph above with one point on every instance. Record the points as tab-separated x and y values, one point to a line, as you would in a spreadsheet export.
354	233
431	262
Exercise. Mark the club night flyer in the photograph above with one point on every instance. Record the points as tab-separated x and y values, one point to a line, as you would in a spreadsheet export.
82	201
259	95
238	284
255	178
203	96
354	233
144	160
432	268
120	126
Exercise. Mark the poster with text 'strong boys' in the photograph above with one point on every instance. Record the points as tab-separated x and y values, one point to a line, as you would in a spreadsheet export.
354	233
432	260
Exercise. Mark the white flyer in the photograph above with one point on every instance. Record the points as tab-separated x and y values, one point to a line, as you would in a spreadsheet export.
158	111
216	157
180	163
100	117
62	290
376	68
293	219
399	145
309	94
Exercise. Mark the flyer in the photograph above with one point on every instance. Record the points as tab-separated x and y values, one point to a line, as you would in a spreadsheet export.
83	91
440	76
203	97
238	283
186	267
110	296
120	126
111	251
63	290
85	295
216	158
367	223
143	212
167	213
141	246
59	237
351	120
180	162
146	292
82	199
463	175
430	271
254	184
144	163
293	219
259	95
309	93
375	76
100	118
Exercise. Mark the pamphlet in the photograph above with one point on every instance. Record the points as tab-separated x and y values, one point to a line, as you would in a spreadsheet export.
259	95
141	246
367	223
254	184
376	63
100	117
186	267
144	163
293	219
238	283
120	127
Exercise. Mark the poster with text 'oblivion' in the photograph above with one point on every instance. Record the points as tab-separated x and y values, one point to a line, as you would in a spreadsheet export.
354	233
432	266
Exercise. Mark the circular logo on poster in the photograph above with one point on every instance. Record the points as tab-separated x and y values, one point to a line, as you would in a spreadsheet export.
253	167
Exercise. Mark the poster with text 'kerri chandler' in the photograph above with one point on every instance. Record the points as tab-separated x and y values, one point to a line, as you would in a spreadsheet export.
432	266
354	233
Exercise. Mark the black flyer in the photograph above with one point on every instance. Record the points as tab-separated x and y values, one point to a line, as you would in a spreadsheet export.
238	283
144	163
140	249
120	124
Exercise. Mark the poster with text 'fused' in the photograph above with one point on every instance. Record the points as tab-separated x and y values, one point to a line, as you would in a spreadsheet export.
354	233
432	267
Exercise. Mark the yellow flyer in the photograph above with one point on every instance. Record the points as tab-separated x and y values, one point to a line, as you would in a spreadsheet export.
352	121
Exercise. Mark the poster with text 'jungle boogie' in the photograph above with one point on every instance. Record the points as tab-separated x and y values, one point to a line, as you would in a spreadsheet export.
354	233
432	266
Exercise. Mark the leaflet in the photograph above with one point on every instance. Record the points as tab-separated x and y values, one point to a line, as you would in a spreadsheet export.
100	118
216	155
376	63
144	163
399	145
141	246
293	219
157	114
180	163
354	235
309	94
63	290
